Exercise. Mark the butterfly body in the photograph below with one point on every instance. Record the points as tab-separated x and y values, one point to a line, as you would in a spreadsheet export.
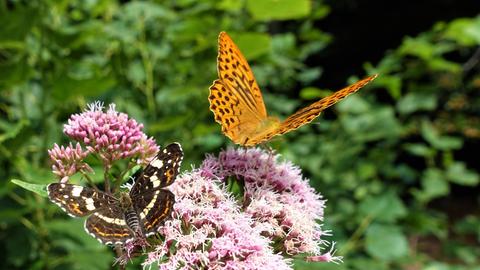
264	129
237	102
129	215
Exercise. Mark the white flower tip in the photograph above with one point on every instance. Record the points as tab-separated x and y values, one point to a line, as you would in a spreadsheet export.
95	106
128	185
111	107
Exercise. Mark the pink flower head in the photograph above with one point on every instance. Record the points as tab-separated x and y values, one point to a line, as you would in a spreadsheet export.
208	231
66	161
110	134
281	202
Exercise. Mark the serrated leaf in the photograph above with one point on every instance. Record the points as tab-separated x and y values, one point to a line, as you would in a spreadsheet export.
37	188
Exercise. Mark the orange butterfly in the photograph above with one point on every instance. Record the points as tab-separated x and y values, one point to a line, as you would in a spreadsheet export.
237	103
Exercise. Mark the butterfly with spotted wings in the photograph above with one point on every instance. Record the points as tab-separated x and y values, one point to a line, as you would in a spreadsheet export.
237	103
134	214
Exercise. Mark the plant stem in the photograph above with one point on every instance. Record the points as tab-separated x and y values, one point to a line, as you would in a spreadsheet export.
106	181
356	235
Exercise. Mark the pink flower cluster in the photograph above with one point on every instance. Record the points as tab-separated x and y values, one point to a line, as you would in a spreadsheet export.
112	135
208	231
276	218
68	160
282	204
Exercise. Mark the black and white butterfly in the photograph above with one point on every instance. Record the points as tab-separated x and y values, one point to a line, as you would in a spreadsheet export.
130	215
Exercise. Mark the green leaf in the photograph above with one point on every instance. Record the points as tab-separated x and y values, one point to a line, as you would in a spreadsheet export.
465	31
419	149
84	251
431	135
466	254
37	188
301	264
67	87
12	129
309	75
459	174
434	185
353	104
469	225
252	44
169	123
419	47
278	10
14	70
438	266
392	83
230	5
386	207
386	242
363	262
313	93
414	101
380	123
14	24
136	73
139	11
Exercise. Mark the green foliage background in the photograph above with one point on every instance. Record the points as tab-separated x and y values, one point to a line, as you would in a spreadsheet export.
392	160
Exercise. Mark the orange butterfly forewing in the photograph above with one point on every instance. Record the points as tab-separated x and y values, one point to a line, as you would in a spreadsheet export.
237	103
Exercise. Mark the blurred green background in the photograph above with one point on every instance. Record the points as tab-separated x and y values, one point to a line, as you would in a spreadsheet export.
398	162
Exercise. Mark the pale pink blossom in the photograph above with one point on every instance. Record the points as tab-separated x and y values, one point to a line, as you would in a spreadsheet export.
208	230
281	202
